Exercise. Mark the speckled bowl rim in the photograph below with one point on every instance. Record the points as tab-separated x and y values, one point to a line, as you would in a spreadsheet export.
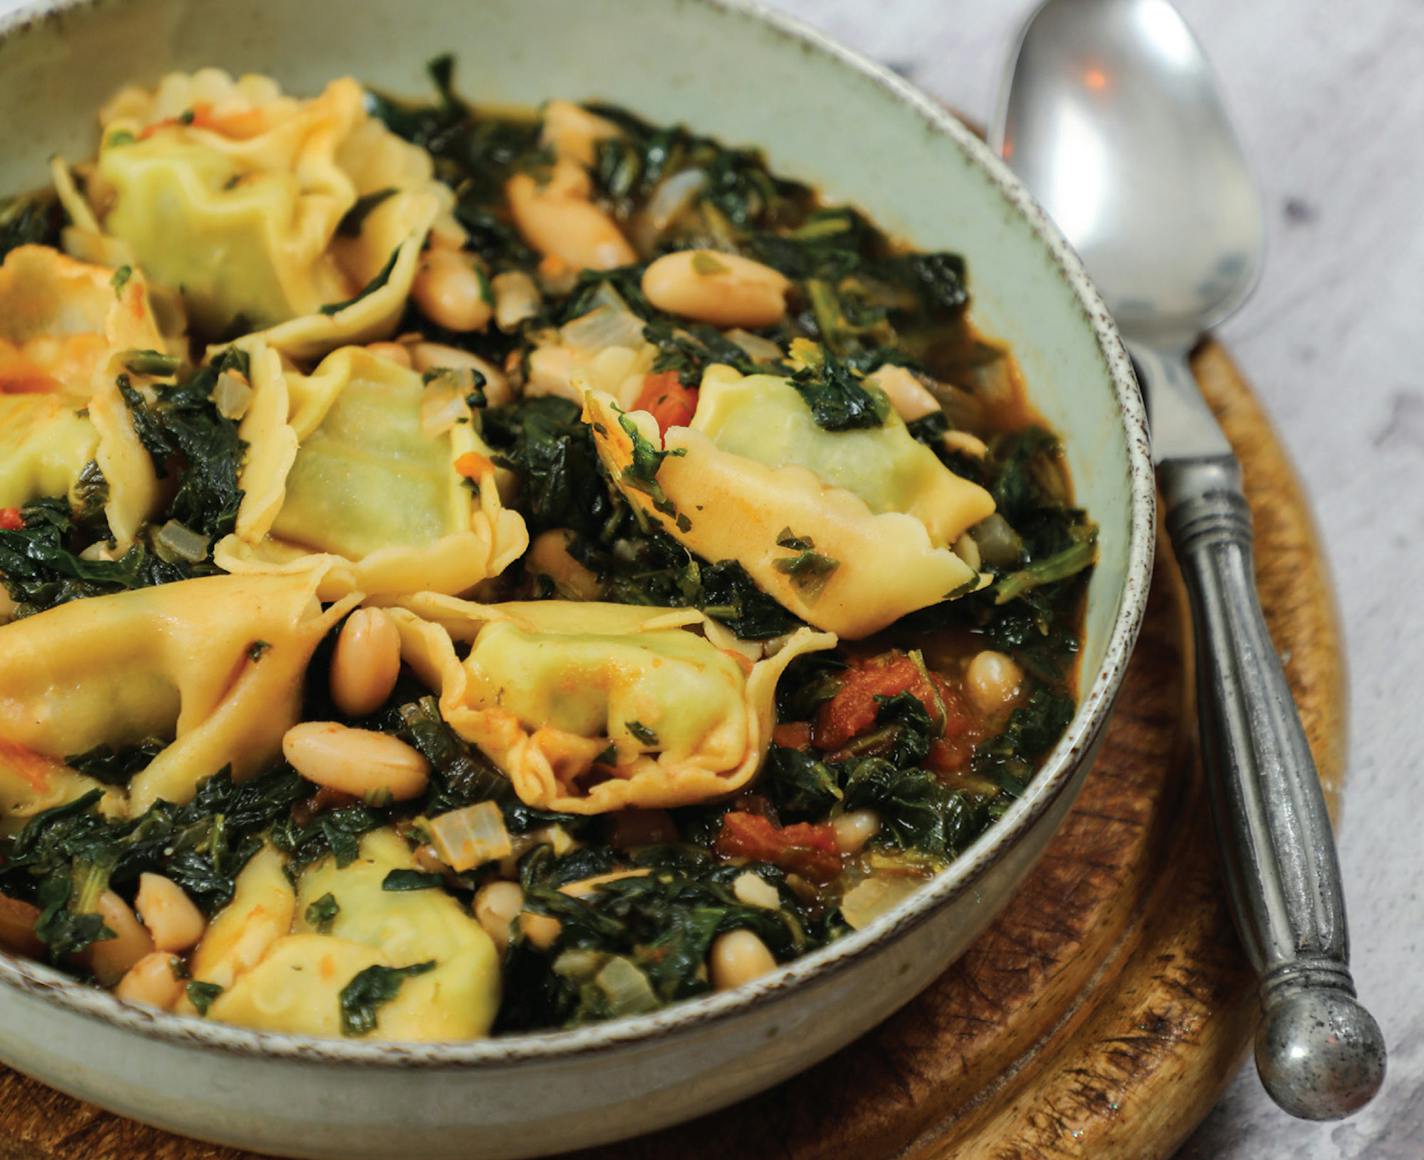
1052	779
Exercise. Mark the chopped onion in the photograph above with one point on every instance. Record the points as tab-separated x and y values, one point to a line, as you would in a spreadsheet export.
757	348
178	541
232	395
672	196
625	987
999	545
868	900
443	404
470	837
604	326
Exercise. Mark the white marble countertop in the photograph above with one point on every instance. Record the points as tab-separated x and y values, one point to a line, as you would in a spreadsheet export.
1329	98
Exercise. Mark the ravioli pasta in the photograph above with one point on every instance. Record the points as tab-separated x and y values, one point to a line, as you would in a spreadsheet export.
279	973
212	666
753	479
239	196
591	707
467	572
344	474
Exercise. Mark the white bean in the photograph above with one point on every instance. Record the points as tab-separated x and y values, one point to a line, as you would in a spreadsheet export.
558	219
738	957
752	889
373	766
573	132
450	292
111	958
497	905
173	922
540	929
151	981
994	681
723	289
365	663
854	829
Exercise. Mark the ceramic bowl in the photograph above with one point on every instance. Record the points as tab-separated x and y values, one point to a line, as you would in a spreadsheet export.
824	116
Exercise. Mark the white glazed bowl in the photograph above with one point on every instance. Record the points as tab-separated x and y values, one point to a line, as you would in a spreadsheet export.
824	116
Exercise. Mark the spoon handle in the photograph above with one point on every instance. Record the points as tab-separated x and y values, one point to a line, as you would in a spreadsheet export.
1319	1053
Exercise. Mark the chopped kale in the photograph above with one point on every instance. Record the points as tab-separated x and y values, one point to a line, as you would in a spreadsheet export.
642	471
838	398
400	881
364	995
642	732
459	774
1010	758
543	442
802	787
116	766
321	913
30	219
203	995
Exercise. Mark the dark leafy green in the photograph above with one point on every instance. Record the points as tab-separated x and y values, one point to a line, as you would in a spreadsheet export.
363	997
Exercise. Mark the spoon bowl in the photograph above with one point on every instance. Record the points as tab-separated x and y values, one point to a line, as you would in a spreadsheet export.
1114	122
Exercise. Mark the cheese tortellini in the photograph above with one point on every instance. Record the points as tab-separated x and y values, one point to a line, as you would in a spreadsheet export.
850	530
300	218
590	707
348	473
213	665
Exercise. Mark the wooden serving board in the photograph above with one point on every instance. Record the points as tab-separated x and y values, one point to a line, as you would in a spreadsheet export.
1105	1011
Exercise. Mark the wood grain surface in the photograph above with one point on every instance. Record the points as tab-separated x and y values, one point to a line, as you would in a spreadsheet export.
1104	1012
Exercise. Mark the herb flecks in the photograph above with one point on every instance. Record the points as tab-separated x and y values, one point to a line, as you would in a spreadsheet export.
809	570
642	470
322	912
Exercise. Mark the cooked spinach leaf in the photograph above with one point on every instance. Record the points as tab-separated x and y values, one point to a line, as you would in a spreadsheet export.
362	998
322	912
202	995
30	219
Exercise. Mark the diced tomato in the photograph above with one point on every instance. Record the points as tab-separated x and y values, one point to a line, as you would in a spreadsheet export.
35	769
793	735
11	520
473	465
805	849
670	403
240	126
853	709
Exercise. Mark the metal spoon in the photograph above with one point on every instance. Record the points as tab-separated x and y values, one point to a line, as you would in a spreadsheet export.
1112	119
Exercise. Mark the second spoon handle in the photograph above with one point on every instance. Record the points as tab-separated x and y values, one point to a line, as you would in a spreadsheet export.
1320	1054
